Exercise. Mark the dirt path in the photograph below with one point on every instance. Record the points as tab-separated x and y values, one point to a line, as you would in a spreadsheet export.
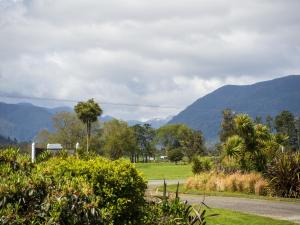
272	209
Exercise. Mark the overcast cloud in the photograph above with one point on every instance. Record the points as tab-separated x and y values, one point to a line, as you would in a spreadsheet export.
154	52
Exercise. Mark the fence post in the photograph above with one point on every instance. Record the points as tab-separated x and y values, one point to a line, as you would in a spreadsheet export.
33	152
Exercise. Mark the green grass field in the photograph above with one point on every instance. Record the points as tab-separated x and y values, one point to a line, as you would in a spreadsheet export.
164	170
228	217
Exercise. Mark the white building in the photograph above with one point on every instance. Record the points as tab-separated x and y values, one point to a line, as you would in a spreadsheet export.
54	147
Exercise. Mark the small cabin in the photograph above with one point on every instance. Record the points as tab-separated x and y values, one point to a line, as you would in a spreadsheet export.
54	147
163	157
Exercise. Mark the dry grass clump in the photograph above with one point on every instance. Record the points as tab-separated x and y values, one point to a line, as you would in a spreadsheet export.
251	183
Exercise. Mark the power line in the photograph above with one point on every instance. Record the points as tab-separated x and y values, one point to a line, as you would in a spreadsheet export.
101	102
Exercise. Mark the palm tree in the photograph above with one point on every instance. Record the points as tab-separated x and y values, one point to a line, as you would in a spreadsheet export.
88	113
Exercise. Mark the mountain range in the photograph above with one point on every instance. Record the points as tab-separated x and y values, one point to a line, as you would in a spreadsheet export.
259	99
155	123
24	120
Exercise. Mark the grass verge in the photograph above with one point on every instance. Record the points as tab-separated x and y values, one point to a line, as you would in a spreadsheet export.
183	190
229	217
164	170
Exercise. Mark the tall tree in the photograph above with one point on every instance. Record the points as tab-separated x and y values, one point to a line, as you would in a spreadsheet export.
145	135
179	136
258	120
192	143
169	135
68	130
227	125
88	112
118	139
285	124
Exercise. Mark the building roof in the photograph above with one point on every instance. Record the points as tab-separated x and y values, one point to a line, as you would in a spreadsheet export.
54	146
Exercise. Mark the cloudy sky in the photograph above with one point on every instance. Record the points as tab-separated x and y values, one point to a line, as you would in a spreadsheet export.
143	52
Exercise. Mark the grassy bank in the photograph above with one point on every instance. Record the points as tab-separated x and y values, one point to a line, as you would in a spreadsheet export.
164	170
228	217
183	190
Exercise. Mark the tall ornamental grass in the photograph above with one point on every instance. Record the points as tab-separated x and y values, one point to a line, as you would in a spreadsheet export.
251	183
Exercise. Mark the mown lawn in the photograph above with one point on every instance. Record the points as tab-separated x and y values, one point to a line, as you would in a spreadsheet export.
229	217
165	170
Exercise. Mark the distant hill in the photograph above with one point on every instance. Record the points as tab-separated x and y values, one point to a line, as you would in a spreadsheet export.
155	123
6	141
23	121
259	99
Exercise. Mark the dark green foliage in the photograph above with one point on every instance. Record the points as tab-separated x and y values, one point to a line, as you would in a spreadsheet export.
69	191
197	166
144	135
284	175
169	136
201	165
270	122
192	143
181	136
258	120
118	139
175	155
227	125
43	156
285	124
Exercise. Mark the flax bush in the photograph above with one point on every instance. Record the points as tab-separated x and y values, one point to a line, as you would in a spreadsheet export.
284	175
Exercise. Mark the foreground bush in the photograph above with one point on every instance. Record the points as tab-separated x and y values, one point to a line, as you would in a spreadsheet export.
284	175
251	183
69	191
170	210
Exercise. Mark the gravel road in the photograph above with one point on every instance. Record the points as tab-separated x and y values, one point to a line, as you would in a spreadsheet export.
272	209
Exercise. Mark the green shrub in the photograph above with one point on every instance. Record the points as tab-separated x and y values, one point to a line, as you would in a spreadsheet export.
228	165
201	165
43	156
175	155
69	191
284	175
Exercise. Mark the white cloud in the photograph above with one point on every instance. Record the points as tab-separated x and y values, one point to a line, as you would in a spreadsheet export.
144	52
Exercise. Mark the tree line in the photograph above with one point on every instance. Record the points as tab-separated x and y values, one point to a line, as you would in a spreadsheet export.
240	136
116	139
